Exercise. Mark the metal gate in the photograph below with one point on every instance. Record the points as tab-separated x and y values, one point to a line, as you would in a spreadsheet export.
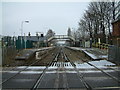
114	53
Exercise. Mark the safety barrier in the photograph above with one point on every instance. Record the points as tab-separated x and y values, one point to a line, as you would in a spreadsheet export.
100	45
114	54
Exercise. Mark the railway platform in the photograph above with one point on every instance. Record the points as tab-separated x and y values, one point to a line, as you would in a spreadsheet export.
93	53
28	53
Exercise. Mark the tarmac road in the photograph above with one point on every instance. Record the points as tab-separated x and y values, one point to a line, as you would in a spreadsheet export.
59	77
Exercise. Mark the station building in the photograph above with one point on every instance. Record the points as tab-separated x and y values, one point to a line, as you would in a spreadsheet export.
31	42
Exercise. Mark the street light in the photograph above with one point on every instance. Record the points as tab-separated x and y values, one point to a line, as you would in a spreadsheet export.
22	30
22	26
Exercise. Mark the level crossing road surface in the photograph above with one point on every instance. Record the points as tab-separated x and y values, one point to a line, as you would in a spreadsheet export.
63	75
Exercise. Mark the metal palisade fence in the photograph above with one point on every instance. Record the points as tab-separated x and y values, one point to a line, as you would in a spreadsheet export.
8	54
114	53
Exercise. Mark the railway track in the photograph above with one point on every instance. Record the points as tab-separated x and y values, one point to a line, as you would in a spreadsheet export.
32	64
62	73
57	80
39	80
115	77
88	87
103	71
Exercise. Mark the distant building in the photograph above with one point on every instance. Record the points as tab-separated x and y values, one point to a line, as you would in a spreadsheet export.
31	42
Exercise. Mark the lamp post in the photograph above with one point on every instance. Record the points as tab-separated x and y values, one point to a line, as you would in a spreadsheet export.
25	40
22	30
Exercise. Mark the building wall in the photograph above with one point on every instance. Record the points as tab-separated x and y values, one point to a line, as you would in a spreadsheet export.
116	28
116	33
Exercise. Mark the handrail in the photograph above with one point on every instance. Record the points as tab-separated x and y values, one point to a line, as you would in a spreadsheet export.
100	45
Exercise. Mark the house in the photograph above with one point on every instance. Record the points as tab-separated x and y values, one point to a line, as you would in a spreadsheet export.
116	32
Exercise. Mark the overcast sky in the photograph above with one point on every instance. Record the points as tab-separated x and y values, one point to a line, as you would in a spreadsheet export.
42	16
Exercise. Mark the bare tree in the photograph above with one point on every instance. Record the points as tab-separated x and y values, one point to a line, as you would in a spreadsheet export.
50	33
97	20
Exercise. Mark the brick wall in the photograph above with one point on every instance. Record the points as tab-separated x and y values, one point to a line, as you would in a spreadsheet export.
116	33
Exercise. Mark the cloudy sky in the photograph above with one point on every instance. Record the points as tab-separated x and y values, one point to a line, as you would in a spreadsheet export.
42	16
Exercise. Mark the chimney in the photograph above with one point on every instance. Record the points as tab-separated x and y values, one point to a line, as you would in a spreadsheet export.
42	35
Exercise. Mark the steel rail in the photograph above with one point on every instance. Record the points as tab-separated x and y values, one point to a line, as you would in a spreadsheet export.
113	77
105	72
21	71
40	78
112	69
65	84
38	81
87	86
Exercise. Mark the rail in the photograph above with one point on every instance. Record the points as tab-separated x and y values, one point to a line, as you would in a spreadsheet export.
62	54
113	77
38	81
66	59
88	87
22	70
100	45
